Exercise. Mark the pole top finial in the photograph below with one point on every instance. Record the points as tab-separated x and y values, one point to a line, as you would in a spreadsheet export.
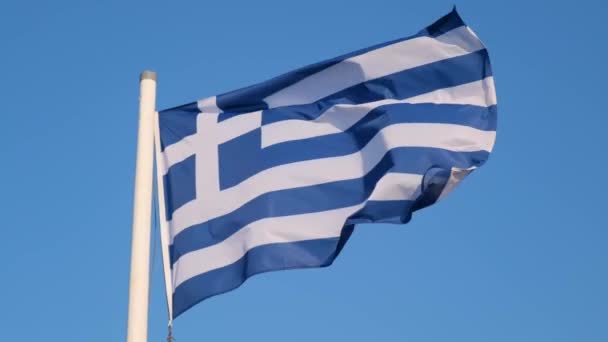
147	75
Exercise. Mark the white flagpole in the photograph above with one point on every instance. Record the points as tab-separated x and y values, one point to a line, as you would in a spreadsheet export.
137	326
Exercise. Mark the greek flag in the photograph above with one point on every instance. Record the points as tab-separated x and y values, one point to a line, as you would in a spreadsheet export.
275	176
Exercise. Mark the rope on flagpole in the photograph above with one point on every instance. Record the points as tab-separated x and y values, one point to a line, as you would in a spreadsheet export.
170	337
164	229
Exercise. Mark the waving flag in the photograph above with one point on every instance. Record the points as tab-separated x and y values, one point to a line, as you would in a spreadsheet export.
275	176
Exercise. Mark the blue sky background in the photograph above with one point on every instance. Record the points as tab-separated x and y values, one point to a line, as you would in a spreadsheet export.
518	253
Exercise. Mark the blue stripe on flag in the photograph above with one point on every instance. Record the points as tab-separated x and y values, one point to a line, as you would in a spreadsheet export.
177	123
180	185
402	85
446	23
393	211
266	258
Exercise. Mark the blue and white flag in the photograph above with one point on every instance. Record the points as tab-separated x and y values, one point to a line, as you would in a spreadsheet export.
275	176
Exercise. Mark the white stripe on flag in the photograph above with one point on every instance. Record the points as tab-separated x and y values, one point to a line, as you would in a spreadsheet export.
397	186
319	225
456	176
178	151
208	105
479	93
377	63
341	117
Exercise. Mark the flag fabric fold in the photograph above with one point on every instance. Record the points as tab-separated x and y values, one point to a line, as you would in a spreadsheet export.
275	176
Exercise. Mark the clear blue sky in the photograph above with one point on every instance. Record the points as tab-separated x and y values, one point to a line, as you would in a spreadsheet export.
518	253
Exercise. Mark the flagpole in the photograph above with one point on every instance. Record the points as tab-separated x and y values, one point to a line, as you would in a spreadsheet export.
137	325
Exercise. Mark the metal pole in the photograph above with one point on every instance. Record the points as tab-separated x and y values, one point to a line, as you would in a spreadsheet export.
137	326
